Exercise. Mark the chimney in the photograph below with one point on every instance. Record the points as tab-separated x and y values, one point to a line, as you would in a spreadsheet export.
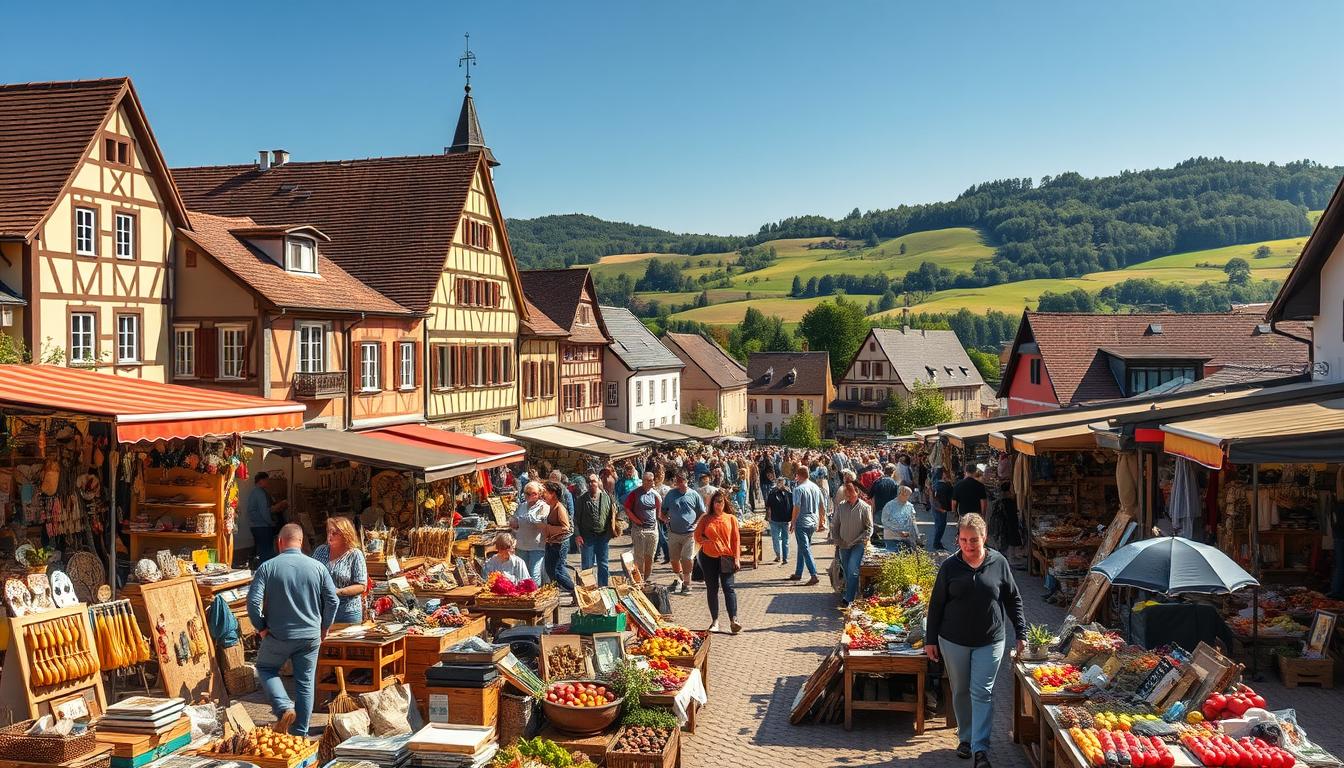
281	156
263	159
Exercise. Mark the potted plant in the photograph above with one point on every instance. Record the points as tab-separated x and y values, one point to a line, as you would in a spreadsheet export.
1039	639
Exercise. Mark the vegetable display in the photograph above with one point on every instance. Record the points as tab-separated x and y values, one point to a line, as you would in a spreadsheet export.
1120	749
539	753
1218	749
643	740
1224	706
1054	677
579	694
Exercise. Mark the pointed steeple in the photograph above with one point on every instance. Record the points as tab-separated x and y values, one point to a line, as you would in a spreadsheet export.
468	137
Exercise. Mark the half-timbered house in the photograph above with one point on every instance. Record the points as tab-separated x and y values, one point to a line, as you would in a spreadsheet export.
568	298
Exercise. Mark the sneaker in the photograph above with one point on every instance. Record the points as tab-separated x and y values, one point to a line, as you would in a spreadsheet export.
812	582
785	561
285	722
844	604
982	760
964	750
735	626
686	588
776	560
676	584
795	577
714	627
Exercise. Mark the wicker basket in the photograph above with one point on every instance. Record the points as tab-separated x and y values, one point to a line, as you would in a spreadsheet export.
518	718
16	746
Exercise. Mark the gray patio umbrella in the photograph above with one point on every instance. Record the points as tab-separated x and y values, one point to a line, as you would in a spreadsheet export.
1173	565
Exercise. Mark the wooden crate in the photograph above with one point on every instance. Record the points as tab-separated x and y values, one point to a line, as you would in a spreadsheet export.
671	757
307	757
471	706
384	658
1297	671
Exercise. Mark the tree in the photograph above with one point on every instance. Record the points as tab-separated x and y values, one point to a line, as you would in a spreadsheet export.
986	363
871	241
12	350
1238	271
703	299
924	408
797	289
1263	252
802	430
704	417
902	249
887	302
837	327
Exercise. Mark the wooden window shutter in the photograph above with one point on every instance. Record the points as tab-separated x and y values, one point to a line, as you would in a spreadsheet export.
207	353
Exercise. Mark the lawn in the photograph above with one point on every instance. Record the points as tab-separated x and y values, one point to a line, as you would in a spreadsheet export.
731	313
716	296
634	264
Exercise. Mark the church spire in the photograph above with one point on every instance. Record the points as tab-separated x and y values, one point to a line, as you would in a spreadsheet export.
468	137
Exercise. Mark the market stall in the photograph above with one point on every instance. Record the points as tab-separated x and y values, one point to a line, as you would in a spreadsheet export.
573	451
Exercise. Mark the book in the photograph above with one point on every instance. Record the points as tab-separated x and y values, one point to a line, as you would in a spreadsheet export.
144	707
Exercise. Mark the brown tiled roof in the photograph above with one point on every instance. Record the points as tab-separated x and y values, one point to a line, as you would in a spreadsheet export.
1071	345
332	289
813	373
391	220
538	324
45	131
708	357
557	292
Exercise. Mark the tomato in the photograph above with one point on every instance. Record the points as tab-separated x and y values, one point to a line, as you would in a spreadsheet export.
1258	701
1238	705
1218	700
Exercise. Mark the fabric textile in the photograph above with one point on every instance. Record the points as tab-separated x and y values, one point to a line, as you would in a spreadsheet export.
595	552
534	558
718	535
681	546
807	497
852	524
967	495
682	510
898	518
264	542
292	595
347	570
972	606
556	568
971	671
803	536
779	539
644	542
851	558
302	656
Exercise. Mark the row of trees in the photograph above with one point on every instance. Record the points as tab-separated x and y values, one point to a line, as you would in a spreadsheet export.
562	241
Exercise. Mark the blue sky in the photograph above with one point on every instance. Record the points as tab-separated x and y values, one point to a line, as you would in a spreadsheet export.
719	116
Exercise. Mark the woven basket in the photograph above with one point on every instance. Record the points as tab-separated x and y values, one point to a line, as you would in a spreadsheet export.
16	746
517	718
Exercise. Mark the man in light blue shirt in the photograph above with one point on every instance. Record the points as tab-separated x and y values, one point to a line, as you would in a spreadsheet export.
292	603
682	508
808	503
261	516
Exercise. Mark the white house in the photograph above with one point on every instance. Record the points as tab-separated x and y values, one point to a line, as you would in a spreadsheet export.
641	378
1314	291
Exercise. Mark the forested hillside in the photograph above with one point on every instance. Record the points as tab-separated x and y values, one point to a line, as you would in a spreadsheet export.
562	241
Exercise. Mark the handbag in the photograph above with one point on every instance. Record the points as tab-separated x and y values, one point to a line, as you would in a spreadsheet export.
727	564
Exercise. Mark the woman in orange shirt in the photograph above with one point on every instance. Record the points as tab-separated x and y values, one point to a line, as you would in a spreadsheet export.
720	556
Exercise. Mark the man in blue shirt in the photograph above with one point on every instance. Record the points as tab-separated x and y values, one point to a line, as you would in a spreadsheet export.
292	603
261	516
808	505
682	508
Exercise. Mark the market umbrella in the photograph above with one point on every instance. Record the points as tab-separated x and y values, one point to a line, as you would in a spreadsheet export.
1173	565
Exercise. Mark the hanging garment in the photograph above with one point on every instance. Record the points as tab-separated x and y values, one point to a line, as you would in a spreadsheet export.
1184	508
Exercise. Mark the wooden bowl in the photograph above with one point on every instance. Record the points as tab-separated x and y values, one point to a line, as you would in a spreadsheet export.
581	721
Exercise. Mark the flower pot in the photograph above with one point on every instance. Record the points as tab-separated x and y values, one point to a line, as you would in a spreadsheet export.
1037	652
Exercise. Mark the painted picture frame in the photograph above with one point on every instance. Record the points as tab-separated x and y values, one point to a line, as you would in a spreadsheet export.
1322	629
608	650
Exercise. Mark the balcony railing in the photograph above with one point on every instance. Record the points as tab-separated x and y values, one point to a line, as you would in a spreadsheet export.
319	386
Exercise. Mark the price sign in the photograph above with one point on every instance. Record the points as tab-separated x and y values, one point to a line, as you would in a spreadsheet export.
438	708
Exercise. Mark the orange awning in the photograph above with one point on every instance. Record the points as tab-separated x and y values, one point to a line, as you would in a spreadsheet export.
143	410
486	452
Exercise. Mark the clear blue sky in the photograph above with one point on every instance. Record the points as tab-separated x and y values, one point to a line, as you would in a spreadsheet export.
719	116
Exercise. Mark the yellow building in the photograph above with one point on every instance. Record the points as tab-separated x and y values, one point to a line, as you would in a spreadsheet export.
424	231
568	299
711	379
88	213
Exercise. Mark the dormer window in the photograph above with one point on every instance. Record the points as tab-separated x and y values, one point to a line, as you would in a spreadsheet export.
300	255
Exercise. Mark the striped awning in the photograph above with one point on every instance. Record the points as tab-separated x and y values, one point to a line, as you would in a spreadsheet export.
486	452
141	409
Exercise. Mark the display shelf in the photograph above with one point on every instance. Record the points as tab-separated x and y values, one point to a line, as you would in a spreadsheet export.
200	494
383	658
18	695
178	504
172	535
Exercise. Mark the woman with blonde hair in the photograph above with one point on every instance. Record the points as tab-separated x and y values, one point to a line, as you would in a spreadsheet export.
345	561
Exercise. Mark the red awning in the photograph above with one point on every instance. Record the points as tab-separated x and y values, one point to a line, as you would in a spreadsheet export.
488	453
143	410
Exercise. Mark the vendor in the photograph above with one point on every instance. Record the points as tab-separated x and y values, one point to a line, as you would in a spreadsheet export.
261	514
529	520
345	561
505	561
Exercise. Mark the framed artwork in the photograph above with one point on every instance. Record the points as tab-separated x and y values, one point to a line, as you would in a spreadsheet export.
607	651
1322	628
498	513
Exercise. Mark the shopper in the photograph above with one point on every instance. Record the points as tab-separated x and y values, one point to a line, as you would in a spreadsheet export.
974	598
682	508
899	533
884	489
291	603
557	531
1005	530
627	482
940	498
720	542
969	495
809	507
850	531
641	507
529	520
779	511
261	514
595	525
663	554
345	562
505	561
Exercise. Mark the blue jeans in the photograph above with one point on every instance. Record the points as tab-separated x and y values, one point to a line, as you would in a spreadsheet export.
1337	580
663	550
971	673
264	539
779	540
803	536
939	528
303	655
851	558
595	551
534	559
557	569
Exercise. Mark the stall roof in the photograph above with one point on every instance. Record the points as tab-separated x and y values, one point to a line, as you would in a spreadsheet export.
487	453
662	435
1071	438
429	463
1297	432
691	431
563	437
142	409
1215	402
614	435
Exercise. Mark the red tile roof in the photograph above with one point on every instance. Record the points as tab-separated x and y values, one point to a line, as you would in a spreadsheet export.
391	219
1072	345
45	131
709	357
332	289
557	292
538	324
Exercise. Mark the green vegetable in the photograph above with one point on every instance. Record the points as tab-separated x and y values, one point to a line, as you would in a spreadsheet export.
1039	635
652	717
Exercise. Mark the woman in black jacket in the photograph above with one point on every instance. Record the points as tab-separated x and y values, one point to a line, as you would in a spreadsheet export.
974	597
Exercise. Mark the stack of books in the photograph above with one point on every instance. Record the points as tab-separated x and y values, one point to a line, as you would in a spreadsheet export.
142	714
444	745
142	729
387	751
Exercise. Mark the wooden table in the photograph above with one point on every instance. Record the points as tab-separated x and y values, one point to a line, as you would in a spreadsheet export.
1031	727
753	547
1043	552
383	657
878	663
463	597
422	652
595	747
533	616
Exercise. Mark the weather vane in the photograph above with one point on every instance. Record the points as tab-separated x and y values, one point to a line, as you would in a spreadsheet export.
468	58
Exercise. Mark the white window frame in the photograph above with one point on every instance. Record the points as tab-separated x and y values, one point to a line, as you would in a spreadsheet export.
306	347
406	358
664	390
306	261
184	352
90	335
232	370
86	231
370	367
123	237
128	339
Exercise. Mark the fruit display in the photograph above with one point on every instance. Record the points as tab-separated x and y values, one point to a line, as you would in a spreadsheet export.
56	652
666	676
539	753
1217	749
668	642
1221	706
1282	625
117	636
579	694
1090	642
1109	716
1119	749
259	742
566	662
1054	677
857	638
641	740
